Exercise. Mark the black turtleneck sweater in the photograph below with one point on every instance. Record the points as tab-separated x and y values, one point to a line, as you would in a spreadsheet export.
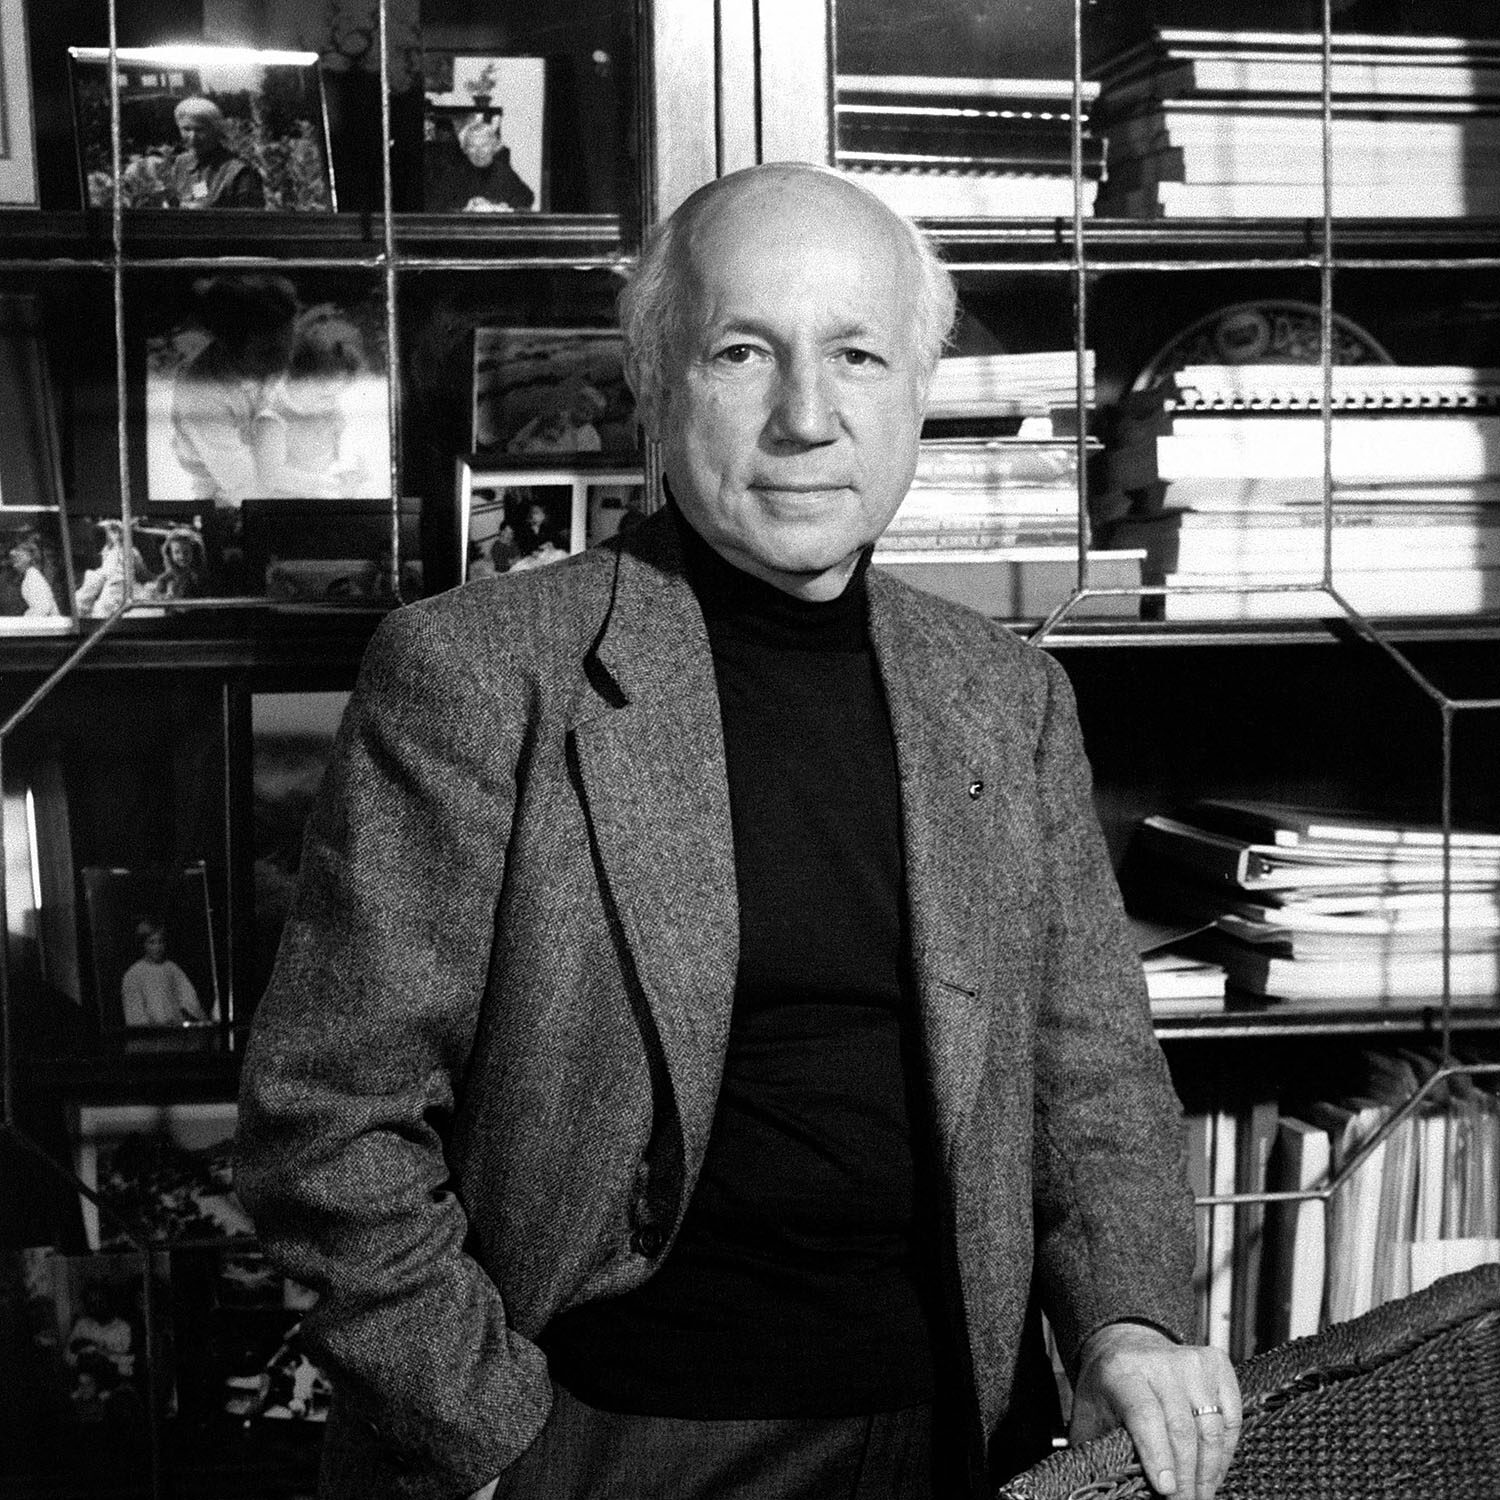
800	1283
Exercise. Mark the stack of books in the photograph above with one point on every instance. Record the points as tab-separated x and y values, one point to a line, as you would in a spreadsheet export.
967	147
1038	392
1327	910
1177	983
1218	473
1230	123
992	519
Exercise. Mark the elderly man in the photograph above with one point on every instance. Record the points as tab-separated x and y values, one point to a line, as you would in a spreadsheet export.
706	1027
206	173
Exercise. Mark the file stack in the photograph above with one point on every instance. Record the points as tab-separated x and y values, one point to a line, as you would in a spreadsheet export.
1327	911
1218	472
1207	124
967	147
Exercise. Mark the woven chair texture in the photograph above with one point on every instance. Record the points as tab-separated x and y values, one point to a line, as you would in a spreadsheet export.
1401	1404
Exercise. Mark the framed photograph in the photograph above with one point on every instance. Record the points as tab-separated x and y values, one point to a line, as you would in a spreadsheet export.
164	1170
17	127
89	1353
515	516
612	504
291	740
36	573
482	133
236	1321
176	553
328	552
552	391
152	947
204	128
255	390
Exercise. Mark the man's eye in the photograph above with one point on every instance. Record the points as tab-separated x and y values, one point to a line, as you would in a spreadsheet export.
736	354
859	358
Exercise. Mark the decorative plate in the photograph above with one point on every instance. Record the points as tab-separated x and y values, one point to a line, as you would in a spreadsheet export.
1260	333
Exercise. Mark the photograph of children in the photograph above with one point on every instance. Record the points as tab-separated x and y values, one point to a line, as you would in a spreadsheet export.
158	1171
88	1355
482	133
204	128
152	945
551	390
253	393
615	503
291	740
36	590
169	561
517	520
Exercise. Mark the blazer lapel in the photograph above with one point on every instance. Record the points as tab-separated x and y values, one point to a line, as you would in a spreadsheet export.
963	884
650	753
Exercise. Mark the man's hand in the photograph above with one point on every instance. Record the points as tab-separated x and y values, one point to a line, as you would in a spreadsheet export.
1180	1404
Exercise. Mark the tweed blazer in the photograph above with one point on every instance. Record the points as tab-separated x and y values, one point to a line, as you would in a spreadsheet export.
480	1084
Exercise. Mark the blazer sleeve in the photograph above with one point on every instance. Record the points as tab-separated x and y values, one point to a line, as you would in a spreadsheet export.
1114	1215
357	1054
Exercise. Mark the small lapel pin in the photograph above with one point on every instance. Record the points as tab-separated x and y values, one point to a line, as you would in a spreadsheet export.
976	789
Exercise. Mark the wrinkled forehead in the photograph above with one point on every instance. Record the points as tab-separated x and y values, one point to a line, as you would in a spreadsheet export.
798	222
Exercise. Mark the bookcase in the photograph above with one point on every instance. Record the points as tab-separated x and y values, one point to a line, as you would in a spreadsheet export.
177	742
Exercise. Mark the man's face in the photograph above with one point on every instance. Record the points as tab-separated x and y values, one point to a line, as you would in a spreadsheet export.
790	422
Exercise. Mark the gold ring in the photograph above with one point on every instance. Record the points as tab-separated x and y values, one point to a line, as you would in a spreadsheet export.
1207	1411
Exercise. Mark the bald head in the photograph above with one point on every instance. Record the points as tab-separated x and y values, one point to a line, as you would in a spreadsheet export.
780	204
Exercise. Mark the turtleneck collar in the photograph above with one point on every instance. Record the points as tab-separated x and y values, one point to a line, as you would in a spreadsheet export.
736	603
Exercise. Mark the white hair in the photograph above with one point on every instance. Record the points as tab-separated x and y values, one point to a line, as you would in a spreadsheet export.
655	309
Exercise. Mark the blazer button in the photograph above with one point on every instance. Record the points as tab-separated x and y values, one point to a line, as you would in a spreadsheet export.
646	1241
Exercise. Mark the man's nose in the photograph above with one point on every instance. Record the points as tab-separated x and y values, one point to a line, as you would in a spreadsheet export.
803	406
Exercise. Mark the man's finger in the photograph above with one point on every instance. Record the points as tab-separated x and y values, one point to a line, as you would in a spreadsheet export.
1212	1435
1155	1445
1182	1432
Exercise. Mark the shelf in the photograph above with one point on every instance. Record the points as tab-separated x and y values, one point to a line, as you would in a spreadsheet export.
564	240
209	1070
256	636
597	239
1184	243
1165	634
211	640
1239	1023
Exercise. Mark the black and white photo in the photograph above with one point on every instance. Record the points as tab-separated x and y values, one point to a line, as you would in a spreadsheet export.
513	517
17	131
613	503
551	390
151	939
204	128
160	1172
482	133
256	388
36	596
